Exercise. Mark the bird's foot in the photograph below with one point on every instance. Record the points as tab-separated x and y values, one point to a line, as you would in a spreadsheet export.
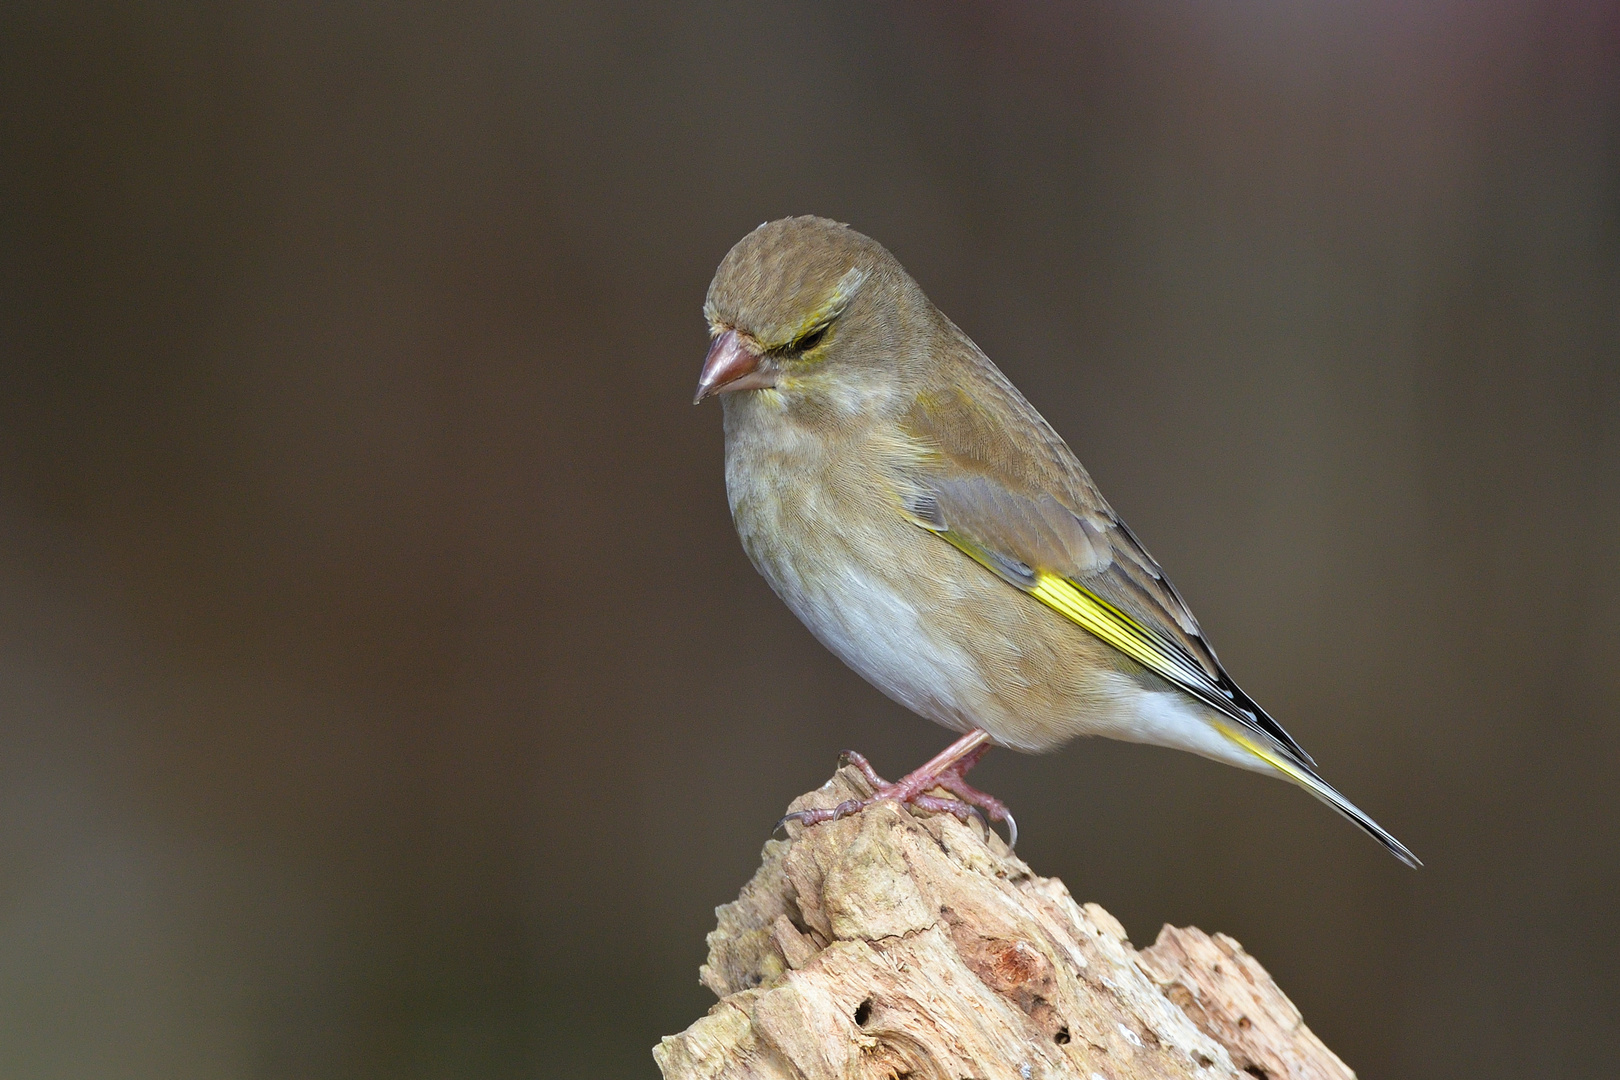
945	771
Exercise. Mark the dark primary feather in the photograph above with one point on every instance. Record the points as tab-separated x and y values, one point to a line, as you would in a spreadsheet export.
1028	505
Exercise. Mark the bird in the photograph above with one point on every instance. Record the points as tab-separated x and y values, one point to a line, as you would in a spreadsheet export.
933	531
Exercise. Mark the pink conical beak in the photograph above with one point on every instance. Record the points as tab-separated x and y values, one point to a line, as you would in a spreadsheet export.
731	365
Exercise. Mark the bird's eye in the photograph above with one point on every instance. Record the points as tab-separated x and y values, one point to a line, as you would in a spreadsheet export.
810	340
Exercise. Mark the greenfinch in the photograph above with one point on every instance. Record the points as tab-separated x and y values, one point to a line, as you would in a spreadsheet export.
932	529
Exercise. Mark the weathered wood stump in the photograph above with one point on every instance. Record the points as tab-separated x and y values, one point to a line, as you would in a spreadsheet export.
893	945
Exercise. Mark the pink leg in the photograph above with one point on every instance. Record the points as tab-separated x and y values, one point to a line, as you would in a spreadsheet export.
946	770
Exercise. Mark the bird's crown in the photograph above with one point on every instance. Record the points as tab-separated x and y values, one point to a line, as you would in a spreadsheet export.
787	281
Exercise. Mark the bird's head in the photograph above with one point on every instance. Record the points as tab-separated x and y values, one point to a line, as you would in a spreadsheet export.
810	310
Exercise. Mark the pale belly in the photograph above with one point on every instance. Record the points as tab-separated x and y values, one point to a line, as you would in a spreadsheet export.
869	618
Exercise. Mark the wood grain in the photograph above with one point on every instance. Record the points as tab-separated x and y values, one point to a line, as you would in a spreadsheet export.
888	945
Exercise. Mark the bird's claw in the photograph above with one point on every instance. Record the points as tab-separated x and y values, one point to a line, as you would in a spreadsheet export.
1012	824
816	815
858	760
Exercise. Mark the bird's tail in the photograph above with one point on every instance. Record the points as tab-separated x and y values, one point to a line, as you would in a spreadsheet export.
1306	777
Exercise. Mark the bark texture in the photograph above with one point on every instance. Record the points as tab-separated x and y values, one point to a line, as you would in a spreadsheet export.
892	945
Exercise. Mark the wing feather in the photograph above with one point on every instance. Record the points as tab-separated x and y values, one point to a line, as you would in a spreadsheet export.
1026	510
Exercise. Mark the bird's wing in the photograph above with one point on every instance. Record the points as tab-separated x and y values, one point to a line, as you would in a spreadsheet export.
991	477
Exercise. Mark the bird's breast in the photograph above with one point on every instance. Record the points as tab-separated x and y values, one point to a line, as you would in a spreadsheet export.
819	515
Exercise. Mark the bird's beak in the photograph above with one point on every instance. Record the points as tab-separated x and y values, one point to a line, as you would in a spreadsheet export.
731	365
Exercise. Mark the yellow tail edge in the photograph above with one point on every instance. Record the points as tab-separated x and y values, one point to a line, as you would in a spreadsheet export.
1320	788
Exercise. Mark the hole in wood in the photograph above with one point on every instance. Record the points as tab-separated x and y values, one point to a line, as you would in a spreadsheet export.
863	1013
1062	1036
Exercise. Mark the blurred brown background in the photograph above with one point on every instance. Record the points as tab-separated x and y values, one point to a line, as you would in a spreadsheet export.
383	692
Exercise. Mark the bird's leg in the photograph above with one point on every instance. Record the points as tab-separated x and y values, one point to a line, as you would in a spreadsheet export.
944	770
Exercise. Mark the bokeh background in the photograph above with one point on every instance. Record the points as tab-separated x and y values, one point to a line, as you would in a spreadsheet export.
383	692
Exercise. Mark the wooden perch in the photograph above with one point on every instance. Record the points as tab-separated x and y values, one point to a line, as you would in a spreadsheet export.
892	945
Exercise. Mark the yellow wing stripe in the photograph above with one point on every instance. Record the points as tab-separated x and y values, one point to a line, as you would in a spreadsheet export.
1058	594
1106	622
1099	617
